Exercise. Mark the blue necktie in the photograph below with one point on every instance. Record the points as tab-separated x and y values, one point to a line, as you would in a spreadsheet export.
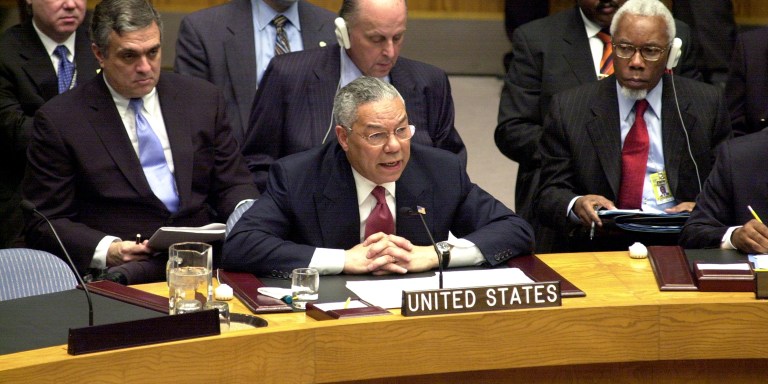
153	160
66	69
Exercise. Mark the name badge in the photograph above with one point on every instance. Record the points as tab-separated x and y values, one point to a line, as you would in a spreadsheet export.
661	190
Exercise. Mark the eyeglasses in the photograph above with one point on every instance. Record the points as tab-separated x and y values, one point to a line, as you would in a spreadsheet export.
380	138
649	53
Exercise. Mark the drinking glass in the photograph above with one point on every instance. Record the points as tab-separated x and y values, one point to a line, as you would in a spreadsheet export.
305	285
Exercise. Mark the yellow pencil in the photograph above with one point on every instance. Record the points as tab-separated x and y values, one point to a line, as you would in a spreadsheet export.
346	304
754	214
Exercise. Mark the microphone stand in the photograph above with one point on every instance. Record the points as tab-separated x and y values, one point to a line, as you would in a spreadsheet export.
410	212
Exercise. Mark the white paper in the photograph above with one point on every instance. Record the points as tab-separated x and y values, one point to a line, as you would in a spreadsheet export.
325	307
760	261
724	267
389	293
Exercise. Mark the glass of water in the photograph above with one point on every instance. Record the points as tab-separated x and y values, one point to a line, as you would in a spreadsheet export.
305	285
189	277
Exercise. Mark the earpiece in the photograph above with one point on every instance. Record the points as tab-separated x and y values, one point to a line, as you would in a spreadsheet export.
675	51
342	34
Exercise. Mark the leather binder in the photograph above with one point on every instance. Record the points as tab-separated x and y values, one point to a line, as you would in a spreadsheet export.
129	295
318	314
245	287
670	266
539	271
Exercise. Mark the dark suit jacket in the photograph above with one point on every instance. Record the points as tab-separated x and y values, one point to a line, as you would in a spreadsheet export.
550	55
739	179
581	144
27	80
217	44
293	107
311	202
85	176
747	86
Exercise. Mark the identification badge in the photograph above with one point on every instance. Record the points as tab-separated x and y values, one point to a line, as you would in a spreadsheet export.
661	190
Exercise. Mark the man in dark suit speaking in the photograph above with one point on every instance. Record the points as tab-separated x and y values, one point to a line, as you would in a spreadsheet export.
622	142
231	45
130	151
293	108
340	207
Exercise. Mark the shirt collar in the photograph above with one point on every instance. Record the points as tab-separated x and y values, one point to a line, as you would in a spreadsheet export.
364	187
265	14
349	70
590	26
653	97
121	102
51	45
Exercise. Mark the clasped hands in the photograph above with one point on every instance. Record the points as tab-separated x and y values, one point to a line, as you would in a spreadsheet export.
382	254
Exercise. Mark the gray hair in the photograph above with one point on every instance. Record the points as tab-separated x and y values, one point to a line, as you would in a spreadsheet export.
350	10
121	16
361	91
645	8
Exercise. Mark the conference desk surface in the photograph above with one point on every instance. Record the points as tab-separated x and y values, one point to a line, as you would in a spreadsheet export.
624	330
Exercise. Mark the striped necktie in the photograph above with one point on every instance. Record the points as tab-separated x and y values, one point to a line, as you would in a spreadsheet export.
606	62
281	38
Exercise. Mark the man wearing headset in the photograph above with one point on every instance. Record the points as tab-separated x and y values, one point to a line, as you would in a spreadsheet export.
640	139
293	106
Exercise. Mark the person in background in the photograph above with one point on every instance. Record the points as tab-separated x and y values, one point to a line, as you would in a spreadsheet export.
47	54
550	55
231	45
344	207
128	152
747	88
293	108
639	139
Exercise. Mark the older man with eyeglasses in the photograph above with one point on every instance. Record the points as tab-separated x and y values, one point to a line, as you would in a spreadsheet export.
640	139
344	207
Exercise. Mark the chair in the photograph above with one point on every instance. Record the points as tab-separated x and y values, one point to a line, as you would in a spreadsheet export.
29	272
235	216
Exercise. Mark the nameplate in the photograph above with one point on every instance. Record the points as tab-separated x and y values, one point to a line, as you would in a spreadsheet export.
481	299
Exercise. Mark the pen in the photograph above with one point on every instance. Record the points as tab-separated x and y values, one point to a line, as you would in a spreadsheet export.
138	238
592	231
346	304
754	214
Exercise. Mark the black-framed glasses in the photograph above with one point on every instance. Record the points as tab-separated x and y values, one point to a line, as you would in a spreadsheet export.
649	52
378	139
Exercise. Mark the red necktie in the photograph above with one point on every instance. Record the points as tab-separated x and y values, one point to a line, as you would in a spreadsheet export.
634	160
380	219
606	62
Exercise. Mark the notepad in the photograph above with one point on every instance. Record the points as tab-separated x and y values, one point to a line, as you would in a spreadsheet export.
167	236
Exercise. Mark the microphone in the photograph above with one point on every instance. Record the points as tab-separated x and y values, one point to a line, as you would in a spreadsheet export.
408	211
30	207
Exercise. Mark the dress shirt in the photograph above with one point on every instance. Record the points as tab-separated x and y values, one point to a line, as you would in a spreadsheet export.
330	261
154	116
595	44
349	71
264	33
50	47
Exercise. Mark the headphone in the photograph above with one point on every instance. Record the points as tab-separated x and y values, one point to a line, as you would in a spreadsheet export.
675	51
342	34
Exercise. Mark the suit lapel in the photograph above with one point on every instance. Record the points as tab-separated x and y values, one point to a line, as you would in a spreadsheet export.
413	192
240	56
672	135
327	73
402	80
108	126
87	66
605	133
179	137
577	43
338	195
37	63
311	25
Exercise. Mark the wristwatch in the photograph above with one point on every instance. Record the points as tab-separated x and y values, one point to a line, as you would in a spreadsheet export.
445	251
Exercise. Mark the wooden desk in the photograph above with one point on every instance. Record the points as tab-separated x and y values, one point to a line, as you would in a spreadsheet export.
624	330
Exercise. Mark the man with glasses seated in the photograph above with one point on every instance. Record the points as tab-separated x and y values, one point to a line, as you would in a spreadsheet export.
640	139
347	206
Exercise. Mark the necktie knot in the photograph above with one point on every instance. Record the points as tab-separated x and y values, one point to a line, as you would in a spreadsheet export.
61	51
136	104
604	35
640	107
379	194
279	21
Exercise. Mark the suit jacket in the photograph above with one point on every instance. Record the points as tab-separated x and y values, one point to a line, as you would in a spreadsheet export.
747	86
581	144
27	80
293	107
85	176
311	201
217	44
739	179
550	55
